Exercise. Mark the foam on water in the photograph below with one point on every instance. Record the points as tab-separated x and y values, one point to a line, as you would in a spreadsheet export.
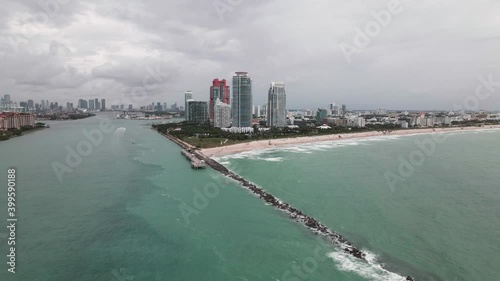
310	148
370	269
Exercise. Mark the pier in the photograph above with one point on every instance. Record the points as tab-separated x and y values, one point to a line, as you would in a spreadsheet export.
196	163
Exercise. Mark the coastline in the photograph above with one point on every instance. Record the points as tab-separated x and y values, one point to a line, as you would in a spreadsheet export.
24	133
268	144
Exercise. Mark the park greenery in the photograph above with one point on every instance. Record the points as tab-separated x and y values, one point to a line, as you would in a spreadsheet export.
7	134
206	136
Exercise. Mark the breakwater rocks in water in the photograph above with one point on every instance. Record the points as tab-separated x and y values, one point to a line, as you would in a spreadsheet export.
311	223
297	215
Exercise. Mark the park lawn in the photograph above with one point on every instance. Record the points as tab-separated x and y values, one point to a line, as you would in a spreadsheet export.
211	142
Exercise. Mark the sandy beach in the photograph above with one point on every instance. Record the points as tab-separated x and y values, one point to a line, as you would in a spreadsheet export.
265	144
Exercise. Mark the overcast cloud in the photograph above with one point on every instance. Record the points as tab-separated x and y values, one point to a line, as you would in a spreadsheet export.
428	57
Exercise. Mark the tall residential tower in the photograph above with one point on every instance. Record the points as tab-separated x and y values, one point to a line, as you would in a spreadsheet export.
219	90
241	108
276	105
188	95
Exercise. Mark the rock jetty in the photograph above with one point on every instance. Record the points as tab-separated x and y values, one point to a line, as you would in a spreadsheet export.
310	222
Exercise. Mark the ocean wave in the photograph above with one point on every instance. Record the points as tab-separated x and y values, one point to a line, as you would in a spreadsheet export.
369	269
271	159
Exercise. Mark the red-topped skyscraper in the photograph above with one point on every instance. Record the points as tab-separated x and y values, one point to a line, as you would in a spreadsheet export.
219	90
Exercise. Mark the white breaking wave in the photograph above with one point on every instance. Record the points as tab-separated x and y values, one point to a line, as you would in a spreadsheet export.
271	159
370	269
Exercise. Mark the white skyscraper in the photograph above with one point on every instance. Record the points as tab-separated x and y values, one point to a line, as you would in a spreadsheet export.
276	105
222	114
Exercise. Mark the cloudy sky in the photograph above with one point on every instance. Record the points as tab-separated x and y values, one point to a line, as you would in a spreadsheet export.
428	55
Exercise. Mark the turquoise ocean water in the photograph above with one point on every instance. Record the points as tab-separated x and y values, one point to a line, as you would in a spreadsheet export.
134	210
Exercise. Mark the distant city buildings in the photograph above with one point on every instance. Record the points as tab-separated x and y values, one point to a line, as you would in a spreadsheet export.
222	114
92	105
276	106
241	104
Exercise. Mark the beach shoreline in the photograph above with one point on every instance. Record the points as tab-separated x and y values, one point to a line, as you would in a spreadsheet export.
274	143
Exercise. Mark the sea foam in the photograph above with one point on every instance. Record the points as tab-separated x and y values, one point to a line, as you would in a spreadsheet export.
369	269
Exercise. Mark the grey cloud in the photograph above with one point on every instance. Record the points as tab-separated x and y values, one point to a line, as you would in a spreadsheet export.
429	56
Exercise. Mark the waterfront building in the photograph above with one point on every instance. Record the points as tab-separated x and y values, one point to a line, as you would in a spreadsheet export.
103	105
222	114
91	105
241	108
197	111
218	91
276	105
14	120
97	105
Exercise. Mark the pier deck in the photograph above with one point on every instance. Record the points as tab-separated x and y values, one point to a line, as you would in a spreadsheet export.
196	163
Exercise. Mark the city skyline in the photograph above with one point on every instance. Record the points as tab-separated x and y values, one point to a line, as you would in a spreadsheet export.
411	63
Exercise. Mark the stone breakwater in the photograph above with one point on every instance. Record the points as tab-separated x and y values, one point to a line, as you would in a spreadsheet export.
311	223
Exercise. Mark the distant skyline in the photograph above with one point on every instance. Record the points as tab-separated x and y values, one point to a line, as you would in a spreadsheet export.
430	54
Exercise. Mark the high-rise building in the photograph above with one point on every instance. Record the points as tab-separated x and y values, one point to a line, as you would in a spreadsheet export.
31	104
222	114
218	91
241	108
336	111
130	107
103	105
91	104
264	110
165	108
97	105
6	98
188	95
159	107
256	110
197	111
344	109
276	105
83	104
321	114
173	107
